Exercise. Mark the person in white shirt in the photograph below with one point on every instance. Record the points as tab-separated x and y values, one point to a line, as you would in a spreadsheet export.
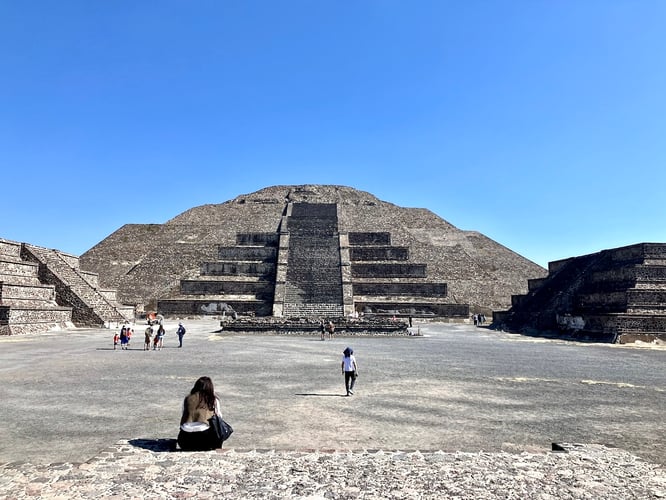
349	369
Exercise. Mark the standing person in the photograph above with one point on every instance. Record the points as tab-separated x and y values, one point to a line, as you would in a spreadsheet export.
322	327
180	332
123	339
116	338
331	329
160	337
149	335
349	369
199	406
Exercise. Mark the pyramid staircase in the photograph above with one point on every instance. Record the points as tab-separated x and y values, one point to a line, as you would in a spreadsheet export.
78	289
313	278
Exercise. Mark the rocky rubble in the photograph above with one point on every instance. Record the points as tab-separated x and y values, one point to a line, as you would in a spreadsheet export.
144	469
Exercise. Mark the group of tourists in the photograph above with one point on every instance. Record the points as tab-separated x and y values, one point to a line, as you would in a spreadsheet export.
123	338
202	427
151	337
157	341
326	328
478	319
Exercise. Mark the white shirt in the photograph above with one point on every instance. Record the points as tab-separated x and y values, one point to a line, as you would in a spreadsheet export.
349	363
200	426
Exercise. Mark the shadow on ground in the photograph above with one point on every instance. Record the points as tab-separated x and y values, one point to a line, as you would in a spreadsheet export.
322	395
154	444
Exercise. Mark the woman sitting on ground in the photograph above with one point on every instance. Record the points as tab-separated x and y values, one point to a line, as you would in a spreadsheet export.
200	405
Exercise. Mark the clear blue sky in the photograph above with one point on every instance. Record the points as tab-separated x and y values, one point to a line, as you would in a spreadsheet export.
541	124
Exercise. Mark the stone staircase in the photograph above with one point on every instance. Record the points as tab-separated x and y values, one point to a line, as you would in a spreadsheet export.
76	288
313	285
26	305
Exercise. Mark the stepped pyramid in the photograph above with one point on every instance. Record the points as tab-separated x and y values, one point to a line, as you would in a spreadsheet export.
309	250
616	295
43	289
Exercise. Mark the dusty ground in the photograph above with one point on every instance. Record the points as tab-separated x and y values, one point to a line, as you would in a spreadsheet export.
68	395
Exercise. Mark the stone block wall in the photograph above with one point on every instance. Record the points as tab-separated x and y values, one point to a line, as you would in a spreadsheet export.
383	270
424	289
418	309
240	253
378	253
262	290
609	296
369	238
257	239
258	269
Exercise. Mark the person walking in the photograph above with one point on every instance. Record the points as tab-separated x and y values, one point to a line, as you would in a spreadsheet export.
180	332
349	369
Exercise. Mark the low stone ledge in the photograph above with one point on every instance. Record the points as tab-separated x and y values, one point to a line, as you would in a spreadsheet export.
310	326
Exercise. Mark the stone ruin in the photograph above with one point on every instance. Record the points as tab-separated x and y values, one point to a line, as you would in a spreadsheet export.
285	257
310	251
616	295
43	289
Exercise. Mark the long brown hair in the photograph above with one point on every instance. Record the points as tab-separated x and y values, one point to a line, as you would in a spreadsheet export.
204	386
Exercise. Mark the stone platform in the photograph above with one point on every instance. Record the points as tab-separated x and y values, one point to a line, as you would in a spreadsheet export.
147	469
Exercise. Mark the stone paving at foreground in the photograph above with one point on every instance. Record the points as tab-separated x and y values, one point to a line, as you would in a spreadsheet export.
145	469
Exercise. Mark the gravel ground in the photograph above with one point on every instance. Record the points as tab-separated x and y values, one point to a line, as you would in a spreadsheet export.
147	470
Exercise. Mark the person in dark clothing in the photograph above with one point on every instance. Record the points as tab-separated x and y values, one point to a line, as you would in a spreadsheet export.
180	332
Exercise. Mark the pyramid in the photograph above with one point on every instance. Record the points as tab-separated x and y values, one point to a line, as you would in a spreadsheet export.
616	295
305	251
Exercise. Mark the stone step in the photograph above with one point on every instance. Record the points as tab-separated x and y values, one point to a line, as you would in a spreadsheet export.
212	306
388	270
10	250
196	287
11	268
238	268
369	238
400	288
21	291
247	254
378	253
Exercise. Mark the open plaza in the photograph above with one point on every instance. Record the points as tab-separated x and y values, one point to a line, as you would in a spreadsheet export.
79	415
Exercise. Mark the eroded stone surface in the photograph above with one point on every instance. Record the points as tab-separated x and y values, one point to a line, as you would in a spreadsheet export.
150	469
